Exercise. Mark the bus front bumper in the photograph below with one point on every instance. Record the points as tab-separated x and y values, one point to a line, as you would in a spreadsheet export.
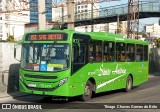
57	90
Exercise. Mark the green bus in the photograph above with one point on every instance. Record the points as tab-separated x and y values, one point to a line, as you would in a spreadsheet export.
68	63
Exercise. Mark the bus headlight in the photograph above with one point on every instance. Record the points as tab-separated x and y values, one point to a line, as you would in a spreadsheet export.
61	82
20	78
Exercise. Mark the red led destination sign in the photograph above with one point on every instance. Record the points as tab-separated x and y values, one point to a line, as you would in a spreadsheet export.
46	37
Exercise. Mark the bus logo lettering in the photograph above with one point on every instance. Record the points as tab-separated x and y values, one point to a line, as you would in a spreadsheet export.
119	71
104	72
108	71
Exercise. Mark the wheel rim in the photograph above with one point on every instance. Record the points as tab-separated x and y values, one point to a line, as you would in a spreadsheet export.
129	83
87	91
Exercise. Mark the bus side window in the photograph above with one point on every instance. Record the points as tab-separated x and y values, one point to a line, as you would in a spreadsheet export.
145	53
120	51
99	51
139	52
95	51
108	49
130	52
91	56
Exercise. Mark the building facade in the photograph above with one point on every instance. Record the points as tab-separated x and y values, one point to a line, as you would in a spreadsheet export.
12	23
82	12
2	22
152	30
34	11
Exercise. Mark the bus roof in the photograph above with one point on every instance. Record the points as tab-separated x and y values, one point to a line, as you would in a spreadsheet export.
95	35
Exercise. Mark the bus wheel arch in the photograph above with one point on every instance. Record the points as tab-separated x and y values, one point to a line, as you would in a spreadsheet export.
129	83
89	90
93	84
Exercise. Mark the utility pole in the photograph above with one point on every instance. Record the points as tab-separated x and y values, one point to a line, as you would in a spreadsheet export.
107	27
62	13
41	15
133	19
118	29
119	25
70	12
92	26
7	17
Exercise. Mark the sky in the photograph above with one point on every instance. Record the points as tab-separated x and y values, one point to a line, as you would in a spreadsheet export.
141	21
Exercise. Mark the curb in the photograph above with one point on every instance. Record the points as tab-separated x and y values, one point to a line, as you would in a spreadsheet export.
154	74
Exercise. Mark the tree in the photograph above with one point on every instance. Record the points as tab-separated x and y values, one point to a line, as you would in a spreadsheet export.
56	26
2	41
10	39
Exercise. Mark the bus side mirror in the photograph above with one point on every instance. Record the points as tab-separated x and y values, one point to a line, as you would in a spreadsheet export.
14	52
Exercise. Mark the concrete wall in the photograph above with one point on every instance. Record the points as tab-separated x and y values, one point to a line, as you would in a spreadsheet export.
6	59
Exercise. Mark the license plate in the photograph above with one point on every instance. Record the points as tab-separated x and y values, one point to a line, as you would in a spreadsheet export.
31	85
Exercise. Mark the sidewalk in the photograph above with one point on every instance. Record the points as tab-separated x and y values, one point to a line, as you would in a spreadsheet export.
4	97
155	74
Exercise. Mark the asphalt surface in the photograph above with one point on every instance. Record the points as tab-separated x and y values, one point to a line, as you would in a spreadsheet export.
148	92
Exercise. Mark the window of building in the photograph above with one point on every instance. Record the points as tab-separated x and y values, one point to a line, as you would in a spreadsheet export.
82	7
1	27
120	51
86	6
0	18
108	54
1	35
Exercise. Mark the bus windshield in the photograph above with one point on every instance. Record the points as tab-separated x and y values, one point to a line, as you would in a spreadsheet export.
45	57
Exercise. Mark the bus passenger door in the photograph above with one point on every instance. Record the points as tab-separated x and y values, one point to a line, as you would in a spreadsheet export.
79	60
78	57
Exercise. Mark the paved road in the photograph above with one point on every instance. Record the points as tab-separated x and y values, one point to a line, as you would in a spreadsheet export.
148	92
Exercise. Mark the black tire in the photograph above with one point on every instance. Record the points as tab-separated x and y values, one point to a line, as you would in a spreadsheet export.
129	84
13	78
87	92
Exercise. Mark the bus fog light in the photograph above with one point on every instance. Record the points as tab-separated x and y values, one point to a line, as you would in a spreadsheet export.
61	82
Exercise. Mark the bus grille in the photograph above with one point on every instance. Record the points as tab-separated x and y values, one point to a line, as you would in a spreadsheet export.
40	76
42	89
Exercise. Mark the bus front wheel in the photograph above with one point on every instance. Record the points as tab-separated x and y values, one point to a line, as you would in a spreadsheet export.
129	84
87	91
